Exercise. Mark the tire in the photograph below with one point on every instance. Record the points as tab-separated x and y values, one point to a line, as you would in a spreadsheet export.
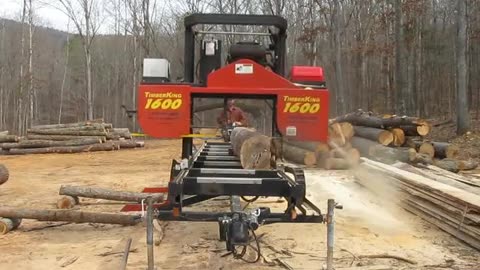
3	174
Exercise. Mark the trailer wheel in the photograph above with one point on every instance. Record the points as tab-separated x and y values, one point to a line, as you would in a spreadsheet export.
3	174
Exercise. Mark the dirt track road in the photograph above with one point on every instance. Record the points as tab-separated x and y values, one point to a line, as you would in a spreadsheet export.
366	226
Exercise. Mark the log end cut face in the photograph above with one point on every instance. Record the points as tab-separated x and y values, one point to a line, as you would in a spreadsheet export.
3	174
255	153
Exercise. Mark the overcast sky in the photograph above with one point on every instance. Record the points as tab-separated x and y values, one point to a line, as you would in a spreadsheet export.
49	16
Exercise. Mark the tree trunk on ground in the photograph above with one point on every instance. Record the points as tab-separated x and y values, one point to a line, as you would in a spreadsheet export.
445	150
4	174
447	164
108	194
391	155
122	132
253	148
9	224
382	136
465	165
421	130
364	119
63	137
307	145
68	132
335	134
45	143
398	136
363	145
347	130
88	125
337	164
8	138
108	146
299	155
124	144
427	149
69	215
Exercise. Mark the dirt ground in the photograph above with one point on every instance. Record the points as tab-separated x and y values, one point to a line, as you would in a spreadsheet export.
366	225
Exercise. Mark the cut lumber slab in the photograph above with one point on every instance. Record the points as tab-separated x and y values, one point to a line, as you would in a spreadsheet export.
46	143
382	136
69	215
454	176
108	194
63	137
8	138
443	224
4	174
452	193
445	150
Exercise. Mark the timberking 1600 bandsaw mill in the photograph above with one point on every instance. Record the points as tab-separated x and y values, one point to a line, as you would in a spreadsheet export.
252	72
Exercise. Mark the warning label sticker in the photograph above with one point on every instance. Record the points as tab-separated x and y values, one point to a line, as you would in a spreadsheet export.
243	69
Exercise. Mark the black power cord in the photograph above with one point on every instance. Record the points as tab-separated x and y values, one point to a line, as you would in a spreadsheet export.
241	255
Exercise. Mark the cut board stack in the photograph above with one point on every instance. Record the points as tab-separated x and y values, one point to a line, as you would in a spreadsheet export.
77	137
391	138
430	193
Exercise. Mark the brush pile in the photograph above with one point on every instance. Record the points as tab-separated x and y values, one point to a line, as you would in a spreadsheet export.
77	137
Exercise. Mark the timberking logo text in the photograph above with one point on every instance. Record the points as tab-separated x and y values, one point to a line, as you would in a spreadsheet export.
163	101
306	104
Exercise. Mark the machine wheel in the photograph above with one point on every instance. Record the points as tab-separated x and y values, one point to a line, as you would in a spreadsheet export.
3	174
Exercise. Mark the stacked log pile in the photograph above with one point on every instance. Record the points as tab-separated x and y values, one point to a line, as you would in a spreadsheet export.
447	200
391	138
336	153
77	137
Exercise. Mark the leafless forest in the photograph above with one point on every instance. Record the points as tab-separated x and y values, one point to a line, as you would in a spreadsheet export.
418	57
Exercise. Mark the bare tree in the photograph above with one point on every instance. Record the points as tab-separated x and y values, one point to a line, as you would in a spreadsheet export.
87	27
30	63
463	117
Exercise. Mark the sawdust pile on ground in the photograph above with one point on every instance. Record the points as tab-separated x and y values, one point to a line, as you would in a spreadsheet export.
365	226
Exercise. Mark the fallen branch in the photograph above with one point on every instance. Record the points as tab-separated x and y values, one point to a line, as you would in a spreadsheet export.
69	261
48	226
387	256
69	215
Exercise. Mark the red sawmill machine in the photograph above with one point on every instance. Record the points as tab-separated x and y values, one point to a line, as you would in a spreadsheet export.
252	72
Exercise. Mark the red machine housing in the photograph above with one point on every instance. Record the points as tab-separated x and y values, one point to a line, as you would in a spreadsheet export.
164	110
